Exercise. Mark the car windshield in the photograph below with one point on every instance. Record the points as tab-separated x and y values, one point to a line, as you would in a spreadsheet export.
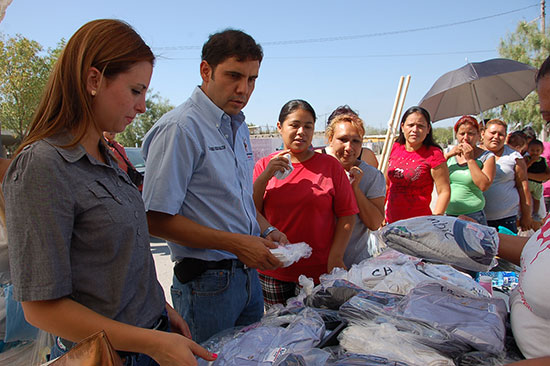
134	154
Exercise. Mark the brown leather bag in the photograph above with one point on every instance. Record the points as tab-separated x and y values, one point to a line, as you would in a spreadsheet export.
96	350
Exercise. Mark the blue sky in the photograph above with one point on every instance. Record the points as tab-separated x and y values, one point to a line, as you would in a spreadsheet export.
356	53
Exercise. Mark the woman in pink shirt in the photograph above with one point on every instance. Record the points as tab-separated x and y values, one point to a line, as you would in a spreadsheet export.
416	163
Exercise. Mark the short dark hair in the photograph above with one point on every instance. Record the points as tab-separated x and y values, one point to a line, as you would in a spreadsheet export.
293	105
535	142
544	70
230	43
429	140
516	139
343	109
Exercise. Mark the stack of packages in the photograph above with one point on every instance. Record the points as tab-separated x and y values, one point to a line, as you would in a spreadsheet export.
407	306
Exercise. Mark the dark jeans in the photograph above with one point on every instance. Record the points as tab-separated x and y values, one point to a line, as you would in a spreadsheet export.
508	222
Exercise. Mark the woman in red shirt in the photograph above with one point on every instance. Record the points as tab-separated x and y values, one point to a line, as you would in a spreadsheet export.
313	204
416	163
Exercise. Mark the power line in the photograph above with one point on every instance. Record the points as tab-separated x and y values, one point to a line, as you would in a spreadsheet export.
348	56
359	36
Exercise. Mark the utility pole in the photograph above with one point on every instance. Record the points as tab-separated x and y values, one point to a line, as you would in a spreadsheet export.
542	16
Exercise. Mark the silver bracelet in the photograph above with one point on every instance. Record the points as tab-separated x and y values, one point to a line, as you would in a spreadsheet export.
268	231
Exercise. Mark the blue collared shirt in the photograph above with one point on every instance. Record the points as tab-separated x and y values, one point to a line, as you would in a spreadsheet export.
194	170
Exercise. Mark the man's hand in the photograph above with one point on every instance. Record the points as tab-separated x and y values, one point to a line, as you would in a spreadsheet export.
278	237
254	252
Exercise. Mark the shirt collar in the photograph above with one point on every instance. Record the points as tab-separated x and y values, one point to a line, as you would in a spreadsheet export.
214	113
75	153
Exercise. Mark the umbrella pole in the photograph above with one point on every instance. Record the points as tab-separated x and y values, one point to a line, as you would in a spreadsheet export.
393	129
390	125
476	102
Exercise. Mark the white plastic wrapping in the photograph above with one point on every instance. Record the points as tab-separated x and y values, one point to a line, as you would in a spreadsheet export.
282	175
291	253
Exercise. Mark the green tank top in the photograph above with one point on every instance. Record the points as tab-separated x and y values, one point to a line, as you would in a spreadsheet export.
466	197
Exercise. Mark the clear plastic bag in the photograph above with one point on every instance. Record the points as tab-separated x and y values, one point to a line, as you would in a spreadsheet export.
268	341
291	253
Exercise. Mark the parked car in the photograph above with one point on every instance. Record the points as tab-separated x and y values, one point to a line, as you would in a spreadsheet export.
135	157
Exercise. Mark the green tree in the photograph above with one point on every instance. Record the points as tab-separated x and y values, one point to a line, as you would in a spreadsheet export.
134	133
24	71
443	135
529	45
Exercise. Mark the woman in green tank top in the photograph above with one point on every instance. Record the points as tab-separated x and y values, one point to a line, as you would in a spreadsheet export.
471	171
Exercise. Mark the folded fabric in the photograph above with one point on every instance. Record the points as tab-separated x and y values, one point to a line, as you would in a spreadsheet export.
385	340
291	253
268	342
476	321
444	239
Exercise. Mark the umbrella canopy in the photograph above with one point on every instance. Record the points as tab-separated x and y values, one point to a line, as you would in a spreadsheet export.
479	86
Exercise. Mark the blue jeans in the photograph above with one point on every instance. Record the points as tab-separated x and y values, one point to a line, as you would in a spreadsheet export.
479	216
219	299
507	222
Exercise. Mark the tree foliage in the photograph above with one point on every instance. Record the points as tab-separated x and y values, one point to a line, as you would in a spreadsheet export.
24	71
134	133
529	45
443	135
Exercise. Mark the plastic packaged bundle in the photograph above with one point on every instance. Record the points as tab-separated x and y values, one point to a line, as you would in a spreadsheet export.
269	341
355	359
444	239
291	253
370	272
387	341
443	272
402	280
476	321
380	308
333	296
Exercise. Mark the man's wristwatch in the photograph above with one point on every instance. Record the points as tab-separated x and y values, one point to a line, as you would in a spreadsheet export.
268	231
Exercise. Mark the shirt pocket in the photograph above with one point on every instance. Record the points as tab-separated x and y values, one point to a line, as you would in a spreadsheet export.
106	202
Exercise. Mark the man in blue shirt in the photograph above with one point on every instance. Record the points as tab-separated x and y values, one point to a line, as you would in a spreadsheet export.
198	193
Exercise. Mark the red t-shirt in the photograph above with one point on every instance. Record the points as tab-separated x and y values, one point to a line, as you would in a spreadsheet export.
411	182
305	206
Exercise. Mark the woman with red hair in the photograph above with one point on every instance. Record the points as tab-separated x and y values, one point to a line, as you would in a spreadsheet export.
471	171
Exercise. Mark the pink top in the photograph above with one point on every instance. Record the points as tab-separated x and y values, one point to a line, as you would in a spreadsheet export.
411	182
546	154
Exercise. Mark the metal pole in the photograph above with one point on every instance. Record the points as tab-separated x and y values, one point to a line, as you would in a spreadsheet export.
543	16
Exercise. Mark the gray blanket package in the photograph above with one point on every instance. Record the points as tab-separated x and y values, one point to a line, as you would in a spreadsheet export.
444	239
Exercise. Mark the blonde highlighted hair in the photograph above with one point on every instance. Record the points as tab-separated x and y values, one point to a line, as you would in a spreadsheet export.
344	118
496	121
111	46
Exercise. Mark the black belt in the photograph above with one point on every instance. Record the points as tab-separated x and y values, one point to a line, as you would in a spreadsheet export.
190	268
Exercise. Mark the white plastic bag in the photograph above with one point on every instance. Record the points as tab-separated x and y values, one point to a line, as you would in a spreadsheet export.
291	253
282	175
